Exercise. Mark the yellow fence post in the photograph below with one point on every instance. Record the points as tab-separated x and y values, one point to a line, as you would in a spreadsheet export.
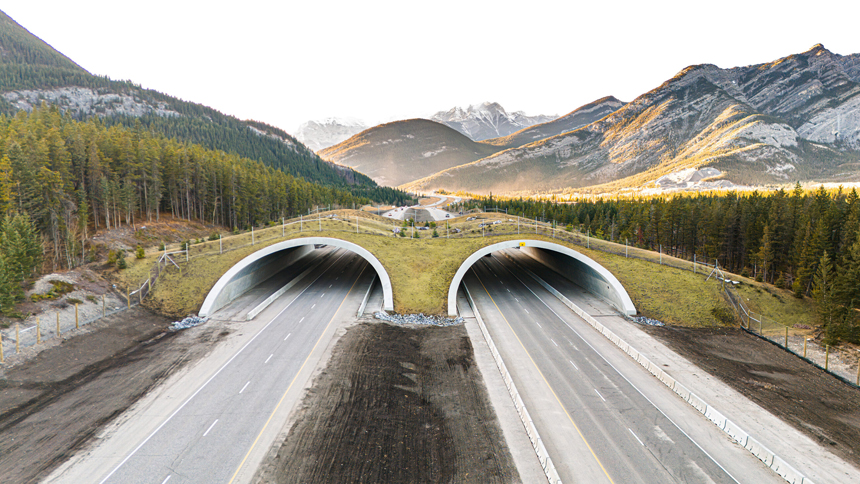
805	339
128	296
38	331
786	337
856	383
17	338
826	357
77	321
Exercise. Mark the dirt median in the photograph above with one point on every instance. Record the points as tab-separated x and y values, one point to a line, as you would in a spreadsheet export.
395	404
53	404
813	401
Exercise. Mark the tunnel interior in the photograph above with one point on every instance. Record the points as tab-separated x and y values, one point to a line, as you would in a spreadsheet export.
570	264
275	259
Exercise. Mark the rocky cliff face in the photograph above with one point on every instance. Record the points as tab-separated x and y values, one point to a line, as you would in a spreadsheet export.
487	120
318	135
796	118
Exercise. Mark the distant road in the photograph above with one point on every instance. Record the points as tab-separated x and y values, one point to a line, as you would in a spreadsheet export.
432	212
208	436
597	426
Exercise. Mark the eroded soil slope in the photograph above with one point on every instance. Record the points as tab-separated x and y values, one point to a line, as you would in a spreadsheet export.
811	400
395	404
53	404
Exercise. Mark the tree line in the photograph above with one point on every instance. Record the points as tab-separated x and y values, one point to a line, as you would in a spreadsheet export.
71	177
805	241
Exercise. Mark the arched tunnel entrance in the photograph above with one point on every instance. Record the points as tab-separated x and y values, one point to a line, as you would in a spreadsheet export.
577	267
271	260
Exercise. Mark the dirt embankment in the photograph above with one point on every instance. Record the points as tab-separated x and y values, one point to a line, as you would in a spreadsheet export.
53	404
395	404
808	398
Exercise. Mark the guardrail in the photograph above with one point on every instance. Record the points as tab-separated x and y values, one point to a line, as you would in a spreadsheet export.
537	444
756	448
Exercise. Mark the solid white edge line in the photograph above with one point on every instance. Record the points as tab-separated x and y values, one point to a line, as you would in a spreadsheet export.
634	435
210	427
627	380
244	387
269	358
129	456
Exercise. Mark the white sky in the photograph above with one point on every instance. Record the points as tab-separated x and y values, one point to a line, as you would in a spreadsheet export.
287	62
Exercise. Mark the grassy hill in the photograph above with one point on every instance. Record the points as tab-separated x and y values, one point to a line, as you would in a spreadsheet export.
402	151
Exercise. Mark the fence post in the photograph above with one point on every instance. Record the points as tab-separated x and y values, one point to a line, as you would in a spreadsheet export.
38	330
661	253
856	383
127	297
694	263
805	339
625	248
220	244
77	321
826	357
760	319
252	236
319	219
588	238
283	228
301	222
17	338
104	309
786	337
2	358
58	324
356	224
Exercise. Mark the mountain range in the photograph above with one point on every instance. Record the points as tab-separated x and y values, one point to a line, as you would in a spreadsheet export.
487	120
793	119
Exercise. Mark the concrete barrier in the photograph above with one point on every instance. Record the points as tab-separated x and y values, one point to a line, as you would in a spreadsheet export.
537	444
777	464
366	297
280	292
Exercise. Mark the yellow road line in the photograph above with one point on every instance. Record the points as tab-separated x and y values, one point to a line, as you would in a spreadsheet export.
294	379
545	381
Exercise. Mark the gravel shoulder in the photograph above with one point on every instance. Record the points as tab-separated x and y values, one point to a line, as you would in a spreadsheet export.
395	404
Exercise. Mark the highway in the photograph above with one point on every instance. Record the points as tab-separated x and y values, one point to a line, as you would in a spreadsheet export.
597	426
208	437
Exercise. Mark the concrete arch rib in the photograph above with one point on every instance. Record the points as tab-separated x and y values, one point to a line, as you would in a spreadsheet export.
624	303
208	306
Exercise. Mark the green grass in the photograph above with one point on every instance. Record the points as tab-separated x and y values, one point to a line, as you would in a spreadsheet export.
421	271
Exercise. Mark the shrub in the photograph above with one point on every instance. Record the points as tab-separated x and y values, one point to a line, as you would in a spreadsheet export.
120	260
214	236
435	234
138	253
161	246
111	257
73	300
724	315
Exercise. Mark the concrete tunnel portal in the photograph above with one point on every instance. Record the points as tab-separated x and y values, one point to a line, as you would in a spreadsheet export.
571	264
267	262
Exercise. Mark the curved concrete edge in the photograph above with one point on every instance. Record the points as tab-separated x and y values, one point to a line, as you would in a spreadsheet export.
627	304
387	296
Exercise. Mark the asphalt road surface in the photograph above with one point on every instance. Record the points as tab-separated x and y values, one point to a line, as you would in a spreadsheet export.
208	437
597	426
